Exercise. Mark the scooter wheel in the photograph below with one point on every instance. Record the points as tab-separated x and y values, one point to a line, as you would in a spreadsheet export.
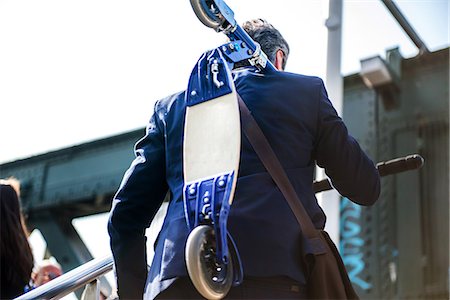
206	13
212	281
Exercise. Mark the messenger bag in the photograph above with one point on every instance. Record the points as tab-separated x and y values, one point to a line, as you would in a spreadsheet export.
327	277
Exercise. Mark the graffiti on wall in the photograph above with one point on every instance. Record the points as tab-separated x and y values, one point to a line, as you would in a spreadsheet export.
351	243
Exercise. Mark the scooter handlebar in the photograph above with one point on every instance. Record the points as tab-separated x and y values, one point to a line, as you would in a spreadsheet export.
393	166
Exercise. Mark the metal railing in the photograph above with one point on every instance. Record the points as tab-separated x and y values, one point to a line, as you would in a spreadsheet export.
88	273
72	280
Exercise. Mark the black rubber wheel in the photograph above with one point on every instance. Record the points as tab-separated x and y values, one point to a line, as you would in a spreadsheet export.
206	13
211	281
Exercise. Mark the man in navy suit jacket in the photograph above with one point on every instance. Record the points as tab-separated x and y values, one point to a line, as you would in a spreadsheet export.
302	127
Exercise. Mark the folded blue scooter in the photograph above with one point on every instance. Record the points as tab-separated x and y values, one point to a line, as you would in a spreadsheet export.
211	152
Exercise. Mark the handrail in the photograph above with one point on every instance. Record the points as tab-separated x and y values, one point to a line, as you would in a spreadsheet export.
71	281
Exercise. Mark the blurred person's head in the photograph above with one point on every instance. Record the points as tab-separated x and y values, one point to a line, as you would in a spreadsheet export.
16	256
270	39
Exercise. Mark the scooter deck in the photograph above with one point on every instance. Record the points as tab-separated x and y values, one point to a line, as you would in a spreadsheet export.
212	139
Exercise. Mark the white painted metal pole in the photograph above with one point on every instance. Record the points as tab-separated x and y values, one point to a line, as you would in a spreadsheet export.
330	201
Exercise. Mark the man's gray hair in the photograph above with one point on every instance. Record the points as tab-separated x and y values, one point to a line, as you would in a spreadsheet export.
268	37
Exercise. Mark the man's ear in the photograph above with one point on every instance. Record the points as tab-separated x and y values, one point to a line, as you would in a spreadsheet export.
279	57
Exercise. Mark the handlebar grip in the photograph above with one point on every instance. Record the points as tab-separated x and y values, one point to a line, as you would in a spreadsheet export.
402	164
393	166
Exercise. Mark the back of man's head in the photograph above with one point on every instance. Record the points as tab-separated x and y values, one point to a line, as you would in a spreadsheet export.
268	37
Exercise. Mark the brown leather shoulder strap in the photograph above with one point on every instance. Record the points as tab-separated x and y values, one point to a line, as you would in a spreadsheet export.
270	161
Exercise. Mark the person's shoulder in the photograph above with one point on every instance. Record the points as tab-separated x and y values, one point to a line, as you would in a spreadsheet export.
167	102
254	72
170	105
308	79
296	83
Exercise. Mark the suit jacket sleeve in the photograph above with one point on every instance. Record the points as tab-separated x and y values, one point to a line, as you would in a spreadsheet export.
352	173
139	197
